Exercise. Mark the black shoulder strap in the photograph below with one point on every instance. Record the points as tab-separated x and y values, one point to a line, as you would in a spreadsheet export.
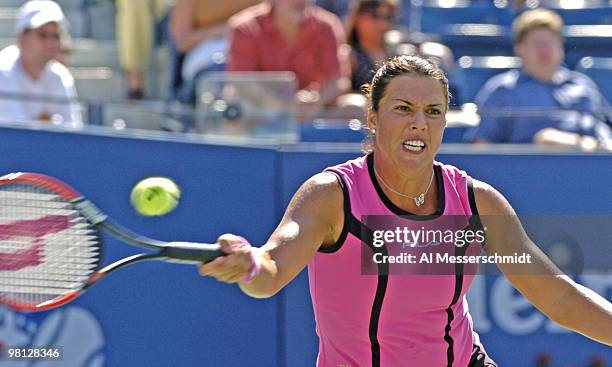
347	214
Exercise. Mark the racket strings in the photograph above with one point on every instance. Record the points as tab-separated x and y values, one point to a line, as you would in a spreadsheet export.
47	249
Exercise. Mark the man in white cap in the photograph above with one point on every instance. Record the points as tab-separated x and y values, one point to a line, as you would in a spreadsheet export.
33	85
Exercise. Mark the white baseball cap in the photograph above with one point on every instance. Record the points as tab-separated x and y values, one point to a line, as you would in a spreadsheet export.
37	13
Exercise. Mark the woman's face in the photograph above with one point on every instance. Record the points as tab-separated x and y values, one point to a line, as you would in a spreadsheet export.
410	121
374	23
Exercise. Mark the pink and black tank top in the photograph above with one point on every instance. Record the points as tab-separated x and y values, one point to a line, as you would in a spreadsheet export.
385	319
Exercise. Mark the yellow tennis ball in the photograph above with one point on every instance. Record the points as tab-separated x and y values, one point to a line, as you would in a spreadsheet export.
155	196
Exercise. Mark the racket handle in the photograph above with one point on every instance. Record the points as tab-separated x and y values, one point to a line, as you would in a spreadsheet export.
189	252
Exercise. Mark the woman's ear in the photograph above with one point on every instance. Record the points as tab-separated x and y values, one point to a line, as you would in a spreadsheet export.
372	120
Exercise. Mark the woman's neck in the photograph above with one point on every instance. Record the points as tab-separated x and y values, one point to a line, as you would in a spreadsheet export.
415	191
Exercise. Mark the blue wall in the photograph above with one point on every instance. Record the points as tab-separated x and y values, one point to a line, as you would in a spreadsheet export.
160	314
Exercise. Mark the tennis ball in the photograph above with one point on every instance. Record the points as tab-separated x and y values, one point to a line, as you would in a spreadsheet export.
155	196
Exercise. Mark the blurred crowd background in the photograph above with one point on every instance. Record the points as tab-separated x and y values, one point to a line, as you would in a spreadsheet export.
534	71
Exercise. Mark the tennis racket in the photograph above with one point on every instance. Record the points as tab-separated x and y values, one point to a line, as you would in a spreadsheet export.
51	248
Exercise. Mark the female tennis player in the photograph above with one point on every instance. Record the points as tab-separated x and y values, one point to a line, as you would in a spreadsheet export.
388	320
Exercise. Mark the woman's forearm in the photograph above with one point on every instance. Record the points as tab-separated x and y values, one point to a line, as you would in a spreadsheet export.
264	284
587	313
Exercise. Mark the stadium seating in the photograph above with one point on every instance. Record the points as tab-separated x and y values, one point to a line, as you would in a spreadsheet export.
477	40
101	19
142	115
474	71
92	52
98	83
587	40
467	27
483	28
600	70
332	131
7	21
582	12
477	31
438	16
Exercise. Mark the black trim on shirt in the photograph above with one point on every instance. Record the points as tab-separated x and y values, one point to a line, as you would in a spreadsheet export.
399	211
475	222
347	213
366	235
450	354
471	197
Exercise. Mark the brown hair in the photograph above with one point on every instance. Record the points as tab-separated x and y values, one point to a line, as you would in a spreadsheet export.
533	19
396	66
400	65
360	7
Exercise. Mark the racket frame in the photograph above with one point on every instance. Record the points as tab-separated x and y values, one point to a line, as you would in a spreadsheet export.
181	252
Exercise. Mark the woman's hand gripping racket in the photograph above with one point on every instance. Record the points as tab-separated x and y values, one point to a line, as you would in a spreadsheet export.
50	245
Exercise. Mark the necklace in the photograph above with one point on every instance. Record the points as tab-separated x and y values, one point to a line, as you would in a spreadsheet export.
418	200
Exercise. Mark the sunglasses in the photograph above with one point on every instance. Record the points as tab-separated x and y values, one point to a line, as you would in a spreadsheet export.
379	16
46	35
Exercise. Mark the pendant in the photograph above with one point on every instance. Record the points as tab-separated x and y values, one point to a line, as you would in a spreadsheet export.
419	200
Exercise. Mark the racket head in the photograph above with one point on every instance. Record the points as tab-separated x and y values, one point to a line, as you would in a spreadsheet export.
49	251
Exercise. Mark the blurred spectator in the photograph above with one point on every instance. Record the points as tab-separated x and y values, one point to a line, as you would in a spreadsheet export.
135	21
33	85
63	55
198	28
373	39
297	36
543	102
369	22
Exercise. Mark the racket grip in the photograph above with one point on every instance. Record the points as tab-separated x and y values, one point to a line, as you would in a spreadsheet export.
190	252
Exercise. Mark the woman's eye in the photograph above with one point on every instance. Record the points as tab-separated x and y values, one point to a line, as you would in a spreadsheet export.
402	108
434	111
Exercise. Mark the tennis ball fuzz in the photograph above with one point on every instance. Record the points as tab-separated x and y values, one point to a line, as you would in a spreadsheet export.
155	196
